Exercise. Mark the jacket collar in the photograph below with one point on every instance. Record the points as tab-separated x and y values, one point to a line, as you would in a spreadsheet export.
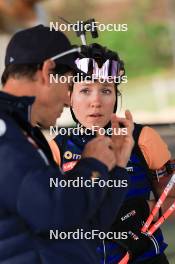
14	104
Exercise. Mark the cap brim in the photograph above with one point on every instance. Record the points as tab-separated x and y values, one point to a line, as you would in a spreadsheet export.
69	61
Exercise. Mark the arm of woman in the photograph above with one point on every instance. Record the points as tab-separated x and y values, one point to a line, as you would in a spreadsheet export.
156	154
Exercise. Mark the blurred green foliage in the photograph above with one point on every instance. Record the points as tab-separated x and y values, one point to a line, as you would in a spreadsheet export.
144	48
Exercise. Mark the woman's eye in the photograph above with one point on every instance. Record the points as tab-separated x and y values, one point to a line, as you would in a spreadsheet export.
106	91
84	91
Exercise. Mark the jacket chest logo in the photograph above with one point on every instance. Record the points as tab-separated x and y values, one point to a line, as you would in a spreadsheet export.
69	165
69	155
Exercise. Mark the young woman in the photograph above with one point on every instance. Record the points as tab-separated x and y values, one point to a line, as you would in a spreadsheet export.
92	104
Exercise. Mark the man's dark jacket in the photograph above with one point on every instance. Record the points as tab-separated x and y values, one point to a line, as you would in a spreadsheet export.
30	208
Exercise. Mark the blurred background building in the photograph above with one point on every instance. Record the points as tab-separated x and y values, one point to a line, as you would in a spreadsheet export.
147	48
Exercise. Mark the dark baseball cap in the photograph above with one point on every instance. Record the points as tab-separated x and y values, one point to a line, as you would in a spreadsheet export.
35	45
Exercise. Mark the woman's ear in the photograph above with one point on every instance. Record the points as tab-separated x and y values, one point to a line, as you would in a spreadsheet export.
47	69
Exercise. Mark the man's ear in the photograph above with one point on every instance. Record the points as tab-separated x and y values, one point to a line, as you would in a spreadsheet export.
47	69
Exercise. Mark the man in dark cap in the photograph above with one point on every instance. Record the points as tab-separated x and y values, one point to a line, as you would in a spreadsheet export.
29	206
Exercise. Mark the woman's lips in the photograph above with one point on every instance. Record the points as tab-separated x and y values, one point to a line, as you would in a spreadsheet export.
95	115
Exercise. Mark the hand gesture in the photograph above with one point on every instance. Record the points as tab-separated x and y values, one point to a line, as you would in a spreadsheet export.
122	144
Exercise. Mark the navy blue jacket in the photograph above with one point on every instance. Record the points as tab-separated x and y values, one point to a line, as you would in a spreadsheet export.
29	208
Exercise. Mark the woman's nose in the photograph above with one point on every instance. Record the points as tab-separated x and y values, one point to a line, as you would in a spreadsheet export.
95	100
